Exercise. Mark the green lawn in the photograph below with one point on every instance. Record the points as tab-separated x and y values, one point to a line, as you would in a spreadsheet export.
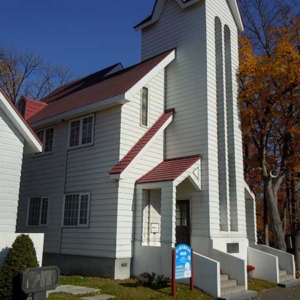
128	290
260	285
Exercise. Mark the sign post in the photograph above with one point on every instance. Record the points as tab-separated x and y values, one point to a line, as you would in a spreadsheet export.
182	265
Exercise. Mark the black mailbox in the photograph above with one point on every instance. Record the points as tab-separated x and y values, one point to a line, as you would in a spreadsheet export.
42	279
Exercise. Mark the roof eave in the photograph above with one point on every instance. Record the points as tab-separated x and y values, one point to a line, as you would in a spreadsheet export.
32	144
125	172
236	14
151	74
160	4
97	106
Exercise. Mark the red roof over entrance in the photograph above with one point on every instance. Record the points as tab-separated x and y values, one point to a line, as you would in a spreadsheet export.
169	169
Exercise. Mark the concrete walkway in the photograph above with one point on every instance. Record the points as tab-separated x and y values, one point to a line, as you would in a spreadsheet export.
278	293
81	290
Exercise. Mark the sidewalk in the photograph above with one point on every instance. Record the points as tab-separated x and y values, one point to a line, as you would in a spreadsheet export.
280	294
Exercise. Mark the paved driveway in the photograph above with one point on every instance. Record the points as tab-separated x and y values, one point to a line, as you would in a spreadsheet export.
280	294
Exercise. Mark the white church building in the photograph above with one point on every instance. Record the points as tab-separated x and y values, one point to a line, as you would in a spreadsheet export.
137	160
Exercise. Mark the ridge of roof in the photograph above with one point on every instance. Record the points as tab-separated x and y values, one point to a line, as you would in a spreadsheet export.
169	169
142	142
87	92
99	75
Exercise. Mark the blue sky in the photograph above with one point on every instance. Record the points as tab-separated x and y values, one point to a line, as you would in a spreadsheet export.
84	35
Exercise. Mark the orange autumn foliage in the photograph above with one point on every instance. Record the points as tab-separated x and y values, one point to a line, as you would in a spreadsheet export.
269	99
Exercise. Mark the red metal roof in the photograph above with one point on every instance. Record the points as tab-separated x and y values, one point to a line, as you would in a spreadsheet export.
95	88
135	150
20	116
32	107
169	169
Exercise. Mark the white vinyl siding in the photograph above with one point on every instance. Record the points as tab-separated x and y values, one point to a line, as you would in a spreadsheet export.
11	153
38	209
81	132
191	90
76	210
70	172
131	132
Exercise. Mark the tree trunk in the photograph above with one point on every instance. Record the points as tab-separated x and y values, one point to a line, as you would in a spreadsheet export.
266	220
276	222
297	249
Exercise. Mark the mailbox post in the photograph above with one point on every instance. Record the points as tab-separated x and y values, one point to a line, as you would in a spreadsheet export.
37	281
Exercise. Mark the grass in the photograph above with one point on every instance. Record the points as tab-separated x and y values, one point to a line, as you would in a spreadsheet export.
128	290
260	285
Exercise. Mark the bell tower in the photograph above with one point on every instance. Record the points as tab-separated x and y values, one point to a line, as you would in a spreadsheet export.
201	86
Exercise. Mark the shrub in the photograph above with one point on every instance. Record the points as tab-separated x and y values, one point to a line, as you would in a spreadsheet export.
22	255
152	280
250	269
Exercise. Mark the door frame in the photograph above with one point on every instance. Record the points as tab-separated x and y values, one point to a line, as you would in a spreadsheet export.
188	200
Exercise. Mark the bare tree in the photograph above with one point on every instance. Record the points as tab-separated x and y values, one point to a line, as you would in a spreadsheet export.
27	73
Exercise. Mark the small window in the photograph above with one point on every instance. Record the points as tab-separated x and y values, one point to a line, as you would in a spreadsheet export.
38	211
144	106
81	132
76	210
46	136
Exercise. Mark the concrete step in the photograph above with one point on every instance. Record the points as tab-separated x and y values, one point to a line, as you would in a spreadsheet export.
282	272
224	277
228	283
244	295
232	290
285	278
290	283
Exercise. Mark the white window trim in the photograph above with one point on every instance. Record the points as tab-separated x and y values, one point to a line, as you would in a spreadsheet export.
43	141
80	145
141	107
40	214
78	217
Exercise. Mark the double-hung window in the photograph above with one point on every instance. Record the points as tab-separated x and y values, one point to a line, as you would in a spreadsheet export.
76	209
38	211
144	106
81	131
47	138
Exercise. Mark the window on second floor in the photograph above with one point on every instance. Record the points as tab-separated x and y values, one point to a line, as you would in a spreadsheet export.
144	106
38	211
81	131
46	136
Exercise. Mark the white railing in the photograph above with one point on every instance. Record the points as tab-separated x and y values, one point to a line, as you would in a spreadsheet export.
207	274
266	265
233	266
285	260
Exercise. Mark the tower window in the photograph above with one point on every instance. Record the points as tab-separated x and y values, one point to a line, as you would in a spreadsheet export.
144	106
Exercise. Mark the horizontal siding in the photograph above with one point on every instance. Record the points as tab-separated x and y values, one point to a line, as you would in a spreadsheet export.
84	169
131	132
11	154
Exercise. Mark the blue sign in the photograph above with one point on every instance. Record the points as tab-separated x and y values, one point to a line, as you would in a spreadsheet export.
183	261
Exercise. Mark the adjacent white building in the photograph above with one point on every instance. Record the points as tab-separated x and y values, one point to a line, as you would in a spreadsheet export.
16	138
140	159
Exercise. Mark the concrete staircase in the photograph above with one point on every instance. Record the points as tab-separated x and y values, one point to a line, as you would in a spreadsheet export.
286	280
230	290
